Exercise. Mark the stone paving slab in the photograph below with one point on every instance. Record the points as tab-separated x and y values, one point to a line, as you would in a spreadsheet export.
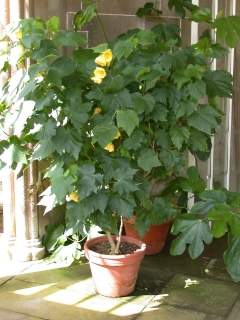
163	266
66	294
10	269
217	270
213	317
74	276
201	294
235	312
165	312
9	315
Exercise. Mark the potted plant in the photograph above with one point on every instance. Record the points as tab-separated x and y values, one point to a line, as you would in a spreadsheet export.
112	123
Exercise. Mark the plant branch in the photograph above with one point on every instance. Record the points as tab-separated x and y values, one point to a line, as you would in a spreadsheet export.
112	243
102	26
119	236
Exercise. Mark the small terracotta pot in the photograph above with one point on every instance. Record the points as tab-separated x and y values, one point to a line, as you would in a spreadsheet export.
155	238
114	275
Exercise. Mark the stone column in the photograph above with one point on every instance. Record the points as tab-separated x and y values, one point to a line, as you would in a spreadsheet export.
21	229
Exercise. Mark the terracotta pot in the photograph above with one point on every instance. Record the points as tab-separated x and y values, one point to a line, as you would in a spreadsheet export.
114	275
155	238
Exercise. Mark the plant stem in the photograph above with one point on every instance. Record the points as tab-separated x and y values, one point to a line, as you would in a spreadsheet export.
112	243
119	236
102	27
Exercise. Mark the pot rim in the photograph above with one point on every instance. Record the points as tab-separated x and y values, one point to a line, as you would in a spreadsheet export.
140	251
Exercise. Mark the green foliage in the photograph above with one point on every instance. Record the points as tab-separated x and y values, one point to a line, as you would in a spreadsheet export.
216	213
194	232
127	120
113	125
63	245
148	10
84	16
228	30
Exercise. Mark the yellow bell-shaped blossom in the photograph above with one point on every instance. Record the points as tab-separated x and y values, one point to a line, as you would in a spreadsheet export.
109	147
118	135
99	75
19	34
97	110
104	59
97	80
74	196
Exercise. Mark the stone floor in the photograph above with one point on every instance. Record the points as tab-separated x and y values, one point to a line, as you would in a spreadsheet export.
168	288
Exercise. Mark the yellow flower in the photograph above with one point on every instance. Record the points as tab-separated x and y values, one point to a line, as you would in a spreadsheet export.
74	196
97	80
118	135
100	73
105	58
109	147
19	34
97	111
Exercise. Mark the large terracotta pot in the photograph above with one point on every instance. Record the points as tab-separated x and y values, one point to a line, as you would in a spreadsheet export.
155	238
114	275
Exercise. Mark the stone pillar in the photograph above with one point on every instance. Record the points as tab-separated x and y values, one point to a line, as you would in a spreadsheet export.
21	230
28	245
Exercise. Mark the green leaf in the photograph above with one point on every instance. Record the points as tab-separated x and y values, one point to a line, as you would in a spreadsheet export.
163	139
204	120
228	30
89	181
170	158
114	84
47	130
65	142
194	232
214	196
195	181
221	217
14	155
136	141
77	213
48	200
124	48
99	201
123	207
232	258
104	134
181	6
219	83
146	38
83	17
61	183
179	136
195	90
69	39
148	159
198	141
127	120
63	66
201	15
124	181
143	104
209	198
185	108
148	10
43	149
53	24
54	236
